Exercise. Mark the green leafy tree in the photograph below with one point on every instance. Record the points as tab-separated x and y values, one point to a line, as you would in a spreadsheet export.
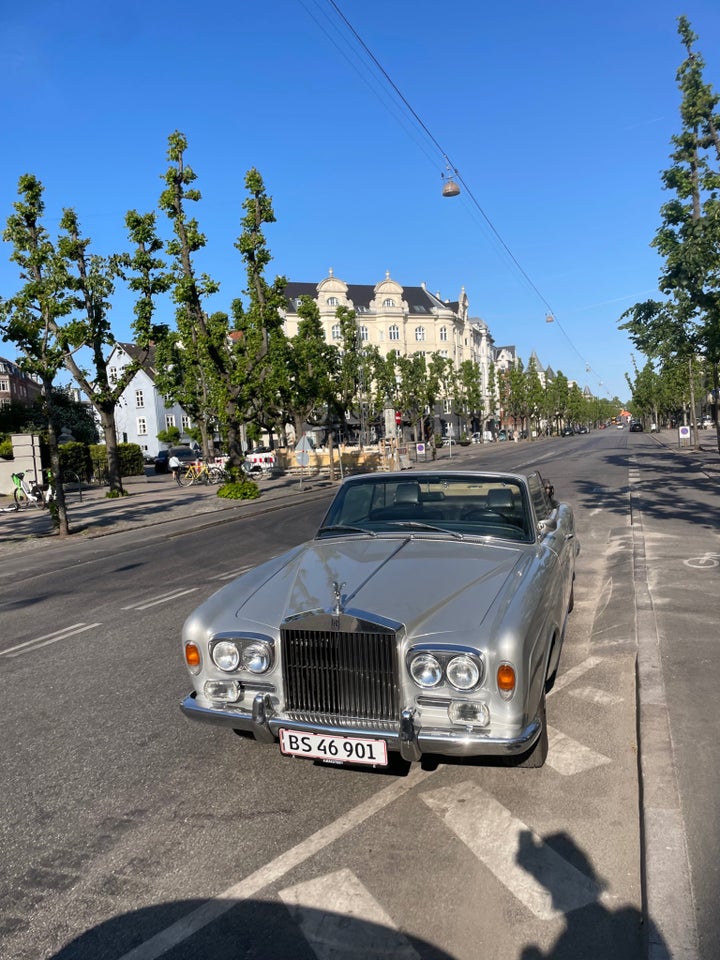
534	397
91	279
31	317
228	359
309	365
687	324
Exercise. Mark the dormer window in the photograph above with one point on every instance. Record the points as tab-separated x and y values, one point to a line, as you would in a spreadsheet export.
389	302
333	302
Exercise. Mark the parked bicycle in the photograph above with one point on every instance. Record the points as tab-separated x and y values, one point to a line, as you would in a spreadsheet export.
26	493
200	472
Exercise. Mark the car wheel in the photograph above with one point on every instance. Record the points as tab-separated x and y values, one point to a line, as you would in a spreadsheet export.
537	755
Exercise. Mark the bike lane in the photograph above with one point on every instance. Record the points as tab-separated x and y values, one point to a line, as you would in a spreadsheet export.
675	514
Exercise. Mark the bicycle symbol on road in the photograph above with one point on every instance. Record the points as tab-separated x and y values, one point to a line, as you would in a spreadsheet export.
705	562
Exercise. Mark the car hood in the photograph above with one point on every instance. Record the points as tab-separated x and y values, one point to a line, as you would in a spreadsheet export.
408	580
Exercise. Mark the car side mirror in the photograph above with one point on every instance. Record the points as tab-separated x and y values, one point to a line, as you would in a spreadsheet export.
547	525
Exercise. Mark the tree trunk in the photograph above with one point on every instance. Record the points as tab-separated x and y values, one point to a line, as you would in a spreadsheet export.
59	507
107	422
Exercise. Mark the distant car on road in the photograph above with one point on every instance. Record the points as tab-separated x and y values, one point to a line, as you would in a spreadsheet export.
426	616
184	455
568	432
636	427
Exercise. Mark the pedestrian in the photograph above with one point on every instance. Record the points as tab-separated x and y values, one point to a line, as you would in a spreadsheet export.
174	464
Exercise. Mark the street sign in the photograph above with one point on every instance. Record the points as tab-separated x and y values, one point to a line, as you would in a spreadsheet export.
303	445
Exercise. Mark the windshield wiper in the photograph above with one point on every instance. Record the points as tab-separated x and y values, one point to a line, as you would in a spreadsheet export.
345	528
420	525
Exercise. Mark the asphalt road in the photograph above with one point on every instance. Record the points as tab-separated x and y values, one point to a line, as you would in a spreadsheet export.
130	833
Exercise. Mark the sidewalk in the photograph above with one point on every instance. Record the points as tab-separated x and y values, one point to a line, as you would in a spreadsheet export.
151	500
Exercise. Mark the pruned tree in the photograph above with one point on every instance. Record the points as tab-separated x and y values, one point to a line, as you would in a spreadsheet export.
687	325
31	317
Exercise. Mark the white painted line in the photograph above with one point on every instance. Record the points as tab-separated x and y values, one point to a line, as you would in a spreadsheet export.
272	872
593	695
231	574
571	675
568	757
340	918
547	884
29	645
161	598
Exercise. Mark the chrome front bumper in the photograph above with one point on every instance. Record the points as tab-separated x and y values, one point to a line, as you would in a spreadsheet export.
410	740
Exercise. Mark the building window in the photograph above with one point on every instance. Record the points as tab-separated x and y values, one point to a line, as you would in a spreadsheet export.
394	332
389	302
443	334
139	401
363	331
336	332
333	302
419	333
447	406
186	422
443	353
142	426
169	420
5	386
112	374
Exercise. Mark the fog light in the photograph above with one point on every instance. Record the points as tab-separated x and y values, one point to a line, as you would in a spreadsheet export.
472	714
228	691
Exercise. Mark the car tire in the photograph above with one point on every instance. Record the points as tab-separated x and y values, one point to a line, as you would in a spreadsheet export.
537	754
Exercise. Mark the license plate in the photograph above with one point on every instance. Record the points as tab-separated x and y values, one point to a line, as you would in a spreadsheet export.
316	746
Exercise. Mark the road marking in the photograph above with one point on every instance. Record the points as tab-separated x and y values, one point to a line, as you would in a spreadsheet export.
30	645
547	884
568	757
231	574
249	887
160	598
571	675
339	917
592	695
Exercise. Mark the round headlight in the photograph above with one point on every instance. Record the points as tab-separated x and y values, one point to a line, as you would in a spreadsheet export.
463	673
426	670
256	657
226	655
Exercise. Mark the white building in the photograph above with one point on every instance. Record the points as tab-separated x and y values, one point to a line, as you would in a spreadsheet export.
143	412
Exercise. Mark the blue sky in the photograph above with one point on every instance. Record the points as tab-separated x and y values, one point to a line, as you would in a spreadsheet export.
557	115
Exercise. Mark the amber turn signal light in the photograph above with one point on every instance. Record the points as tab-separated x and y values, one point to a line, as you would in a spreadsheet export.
192	655
505	677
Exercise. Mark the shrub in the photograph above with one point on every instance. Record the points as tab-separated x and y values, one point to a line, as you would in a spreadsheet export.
239	490
75	458
131	461
6	450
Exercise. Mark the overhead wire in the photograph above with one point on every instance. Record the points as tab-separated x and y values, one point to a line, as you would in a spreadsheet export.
450	168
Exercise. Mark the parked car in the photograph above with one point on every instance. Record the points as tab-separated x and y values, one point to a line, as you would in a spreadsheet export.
636	426
184	455
426	616
476	438
568	432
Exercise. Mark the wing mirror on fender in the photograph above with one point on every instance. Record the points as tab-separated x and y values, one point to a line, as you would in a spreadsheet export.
548	525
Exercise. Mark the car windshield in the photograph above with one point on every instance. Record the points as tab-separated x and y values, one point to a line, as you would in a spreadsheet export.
465	504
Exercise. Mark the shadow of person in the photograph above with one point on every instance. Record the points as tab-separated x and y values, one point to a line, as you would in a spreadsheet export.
594	928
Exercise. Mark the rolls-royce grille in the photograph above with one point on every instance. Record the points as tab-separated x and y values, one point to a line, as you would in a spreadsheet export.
340	676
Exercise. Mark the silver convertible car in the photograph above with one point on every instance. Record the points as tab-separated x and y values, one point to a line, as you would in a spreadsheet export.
425	617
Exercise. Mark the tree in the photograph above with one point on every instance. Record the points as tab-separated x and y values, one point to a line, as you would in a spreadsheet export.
30	318
230	357
687	324
309	364
91	279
